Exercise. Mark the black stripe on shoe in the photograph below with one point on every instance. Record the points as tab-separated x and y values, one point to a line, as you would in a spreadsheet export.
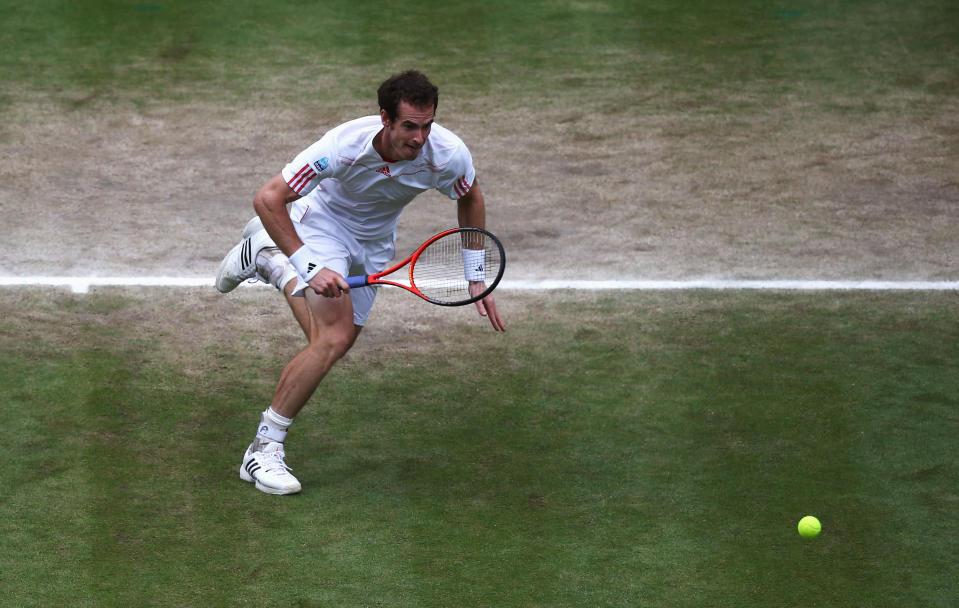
245	253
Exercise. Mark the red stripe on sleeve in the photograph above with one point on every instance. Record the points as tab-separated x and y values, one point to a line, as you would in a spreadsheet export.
461	187
302	178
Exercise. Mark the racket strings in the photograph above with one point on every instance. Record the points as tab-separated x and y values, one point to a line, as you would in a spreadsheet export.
442	270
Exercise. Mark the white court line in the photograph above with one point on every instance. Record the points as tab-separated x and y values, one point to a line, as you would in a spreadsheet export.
83	284
719	284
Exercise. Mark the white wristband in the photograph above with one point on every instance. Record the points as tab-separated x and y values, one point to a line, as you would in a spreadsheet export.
474	264
305	266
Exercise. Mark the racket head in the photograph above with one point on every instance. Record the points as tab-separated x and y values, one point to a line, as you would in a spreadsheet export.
438	270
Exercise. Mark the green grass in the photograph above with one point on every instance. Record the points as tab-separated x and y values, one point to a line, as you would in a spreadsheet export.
629	450
658	455
604	56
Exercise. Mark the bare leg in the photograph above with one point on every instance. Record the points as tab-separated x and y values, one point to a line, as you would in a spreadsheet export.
301	311
331	334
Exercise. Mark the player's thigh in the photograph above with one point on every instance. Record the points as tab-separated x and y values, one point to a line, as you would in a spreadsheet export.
331	319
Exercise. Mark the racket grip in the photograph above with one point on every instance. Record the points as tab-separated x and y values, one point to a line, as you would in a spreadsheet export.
357	281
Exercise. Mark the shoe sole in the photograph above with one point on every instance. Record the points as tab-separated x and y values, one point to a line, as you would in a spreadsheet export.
274	491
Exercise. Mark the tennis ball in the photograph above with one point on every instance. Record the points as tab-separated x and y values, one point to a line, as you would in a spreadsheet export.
809	527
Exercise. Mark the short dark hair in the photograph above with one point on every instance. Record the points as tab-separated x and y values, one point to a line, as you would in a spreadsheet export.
410	86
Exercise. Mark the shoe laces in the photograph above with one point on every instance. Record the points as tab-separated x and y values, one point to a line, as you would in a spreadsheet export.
274	459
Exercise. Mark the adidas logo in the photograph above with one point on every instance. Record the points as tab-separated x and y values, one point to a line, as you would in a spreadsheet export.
479	268
310	267
385	170
252	466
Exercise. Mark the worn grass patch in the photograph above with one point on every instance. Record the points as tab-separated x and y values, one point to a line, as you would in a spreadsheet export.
639	139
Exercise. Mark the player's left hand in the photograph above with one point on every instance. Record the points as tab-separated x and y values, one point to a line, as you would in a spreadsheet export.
487	306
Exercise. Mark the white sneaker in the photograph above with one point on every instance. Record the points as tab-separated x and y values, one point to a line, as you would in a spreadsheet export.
240	264
266	468
275	276
253	226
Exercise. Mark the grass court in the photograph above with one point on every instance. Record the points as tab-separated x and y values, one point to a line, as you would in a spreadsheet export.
650	449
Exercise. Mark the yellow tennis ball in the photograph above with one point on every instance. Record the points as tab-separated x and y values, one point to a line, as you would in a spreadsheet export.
809	527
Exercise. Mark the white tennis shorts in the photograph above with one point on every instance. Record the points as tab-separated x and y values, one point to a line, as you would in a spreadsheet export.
335	248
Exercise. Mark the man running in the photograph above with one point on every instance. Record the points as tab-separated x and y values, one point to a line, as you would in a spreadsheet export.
346	192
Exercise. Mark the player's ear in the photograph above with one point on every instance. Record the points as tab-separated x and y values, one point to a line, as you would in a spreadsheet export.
384	118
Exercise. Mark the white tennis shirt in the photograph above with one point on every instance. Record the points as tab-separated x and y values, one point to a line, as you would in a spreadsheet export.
343	176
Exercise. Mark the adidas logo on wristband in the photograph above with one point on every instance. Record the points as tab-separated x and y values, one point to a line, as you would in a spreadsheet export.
306	268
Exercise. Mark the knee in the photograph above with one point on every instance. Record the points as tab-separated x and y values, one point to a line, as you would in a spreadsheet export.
333	346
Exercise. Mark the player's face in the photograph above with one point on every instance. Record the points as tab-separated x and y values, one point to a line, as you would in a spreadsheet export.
403	137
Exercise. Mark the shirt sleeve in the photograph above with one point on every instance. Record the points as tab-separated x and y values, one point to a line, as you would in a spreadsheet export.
457	178
310	166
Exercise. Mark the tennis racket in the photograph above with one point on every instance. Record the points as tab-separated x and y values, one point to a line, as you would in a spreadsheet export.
443	268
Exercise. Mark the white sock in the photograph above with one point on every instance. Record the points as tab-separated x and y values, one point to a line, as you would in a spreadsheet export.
272	427
275	267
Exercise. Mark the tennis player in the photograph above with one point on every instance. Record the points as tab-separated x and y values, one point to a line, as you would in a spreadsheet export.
345	194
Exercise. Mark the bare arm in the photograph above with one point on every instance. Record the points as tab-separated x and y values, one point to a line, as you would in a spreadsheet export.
471	211
270	204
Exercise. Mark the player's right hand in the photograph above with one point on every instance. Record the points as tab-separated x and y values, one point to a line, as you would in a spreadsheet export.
329	283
